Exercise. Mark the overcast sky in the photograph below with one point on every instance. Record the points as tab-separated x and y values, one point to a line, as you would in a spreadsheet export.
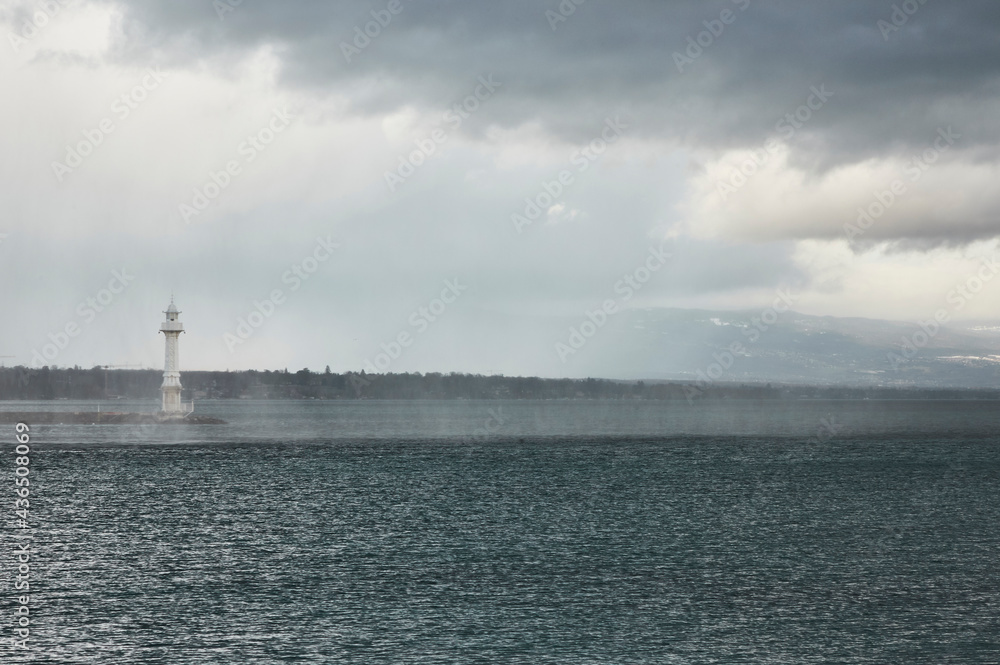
511	160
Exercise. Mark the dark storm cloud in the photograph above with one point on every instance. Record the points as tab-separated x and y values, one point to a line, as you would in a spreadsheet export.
891	87
892	91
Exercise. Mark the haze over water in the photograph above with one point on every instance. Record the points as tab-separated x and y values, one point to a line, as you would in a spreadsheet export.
582	532
353	201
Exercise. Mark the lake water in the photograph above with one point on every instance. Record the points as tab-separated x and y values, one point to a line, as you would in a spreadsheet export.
573	532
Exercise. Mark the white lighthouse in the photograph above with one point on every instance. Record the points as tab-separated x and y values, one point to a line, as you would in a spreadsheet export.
171	388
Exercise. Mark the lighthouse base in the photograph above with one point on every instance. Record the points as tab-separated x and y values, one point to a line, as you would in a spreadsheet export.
163	417
171	392
172	404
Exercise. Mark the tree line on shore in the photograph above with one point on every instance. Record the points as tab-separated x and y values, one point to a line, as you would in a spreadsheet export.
22	383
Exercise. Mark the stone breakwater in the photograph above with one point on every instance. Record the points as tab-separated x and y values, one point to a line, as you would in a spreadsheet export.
101	418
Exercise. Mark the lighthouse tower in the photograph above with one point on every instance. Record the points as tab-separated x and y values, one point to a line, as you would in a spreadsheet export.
171	388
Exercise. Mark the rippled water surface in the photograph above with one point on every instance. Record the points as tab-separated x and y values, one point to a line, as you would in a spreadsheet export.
577	532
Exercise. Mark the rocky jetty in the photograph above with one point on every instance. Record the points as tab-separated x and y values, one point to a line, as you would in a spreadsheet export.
102	418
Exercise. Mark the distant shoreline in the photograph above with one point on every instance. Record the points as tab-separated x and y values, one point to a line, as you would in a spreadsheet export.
100	385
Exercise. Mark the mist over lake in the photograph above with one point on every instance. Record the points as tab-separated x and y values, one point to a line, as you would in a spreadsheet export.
537	331
398	532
